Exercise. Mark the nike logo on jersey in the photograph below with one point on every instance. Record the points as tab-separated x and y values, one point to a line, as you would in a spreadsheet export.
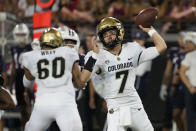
98	71
107	61
120	66
139	109
130	58
47	52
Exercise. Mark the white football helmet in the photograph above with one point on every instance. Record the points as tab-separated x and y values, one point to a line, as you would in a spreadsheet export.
190	36
35	44
69	34
21	33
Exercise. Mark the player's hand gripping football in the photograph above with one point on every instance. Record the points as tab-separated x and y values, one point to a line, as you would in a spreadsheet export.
145	29
95	45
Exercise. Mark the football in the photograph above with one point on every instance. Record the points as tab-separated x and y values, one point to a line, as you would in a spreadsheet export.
146	17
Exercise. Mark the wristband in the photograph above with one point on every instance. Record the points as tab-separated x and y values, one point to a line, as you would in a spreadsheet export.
90	64
151	32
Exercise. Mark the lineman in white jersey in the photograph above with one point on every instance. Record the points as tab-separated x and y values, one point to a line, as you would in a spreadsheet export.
97	81
52	69
116	65
71	39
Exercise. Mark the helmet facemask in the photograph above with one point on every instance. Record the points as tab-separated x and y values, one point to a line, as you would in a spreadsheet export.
21	34
107	24
112	43
69	42
69	35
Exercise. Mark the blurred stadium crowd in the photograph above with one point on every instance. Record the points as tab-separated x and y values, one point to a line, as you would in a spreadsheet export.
167	100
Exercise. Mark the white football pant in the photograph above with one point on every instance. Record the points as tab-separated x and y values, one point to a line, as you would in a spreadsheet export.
66	116
121	118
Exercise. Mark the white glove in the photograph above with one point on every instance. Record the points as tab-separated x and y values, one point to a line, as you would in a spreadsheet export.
163	92
35	44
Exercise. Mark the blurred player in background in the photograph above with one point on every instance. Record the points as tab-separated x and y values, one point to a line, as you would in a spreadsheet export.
6	101
3	70
176	90
142	72
172	88
188	75
52	69
165	91
21	36
71	39
97	103
90	97
35	44
116	65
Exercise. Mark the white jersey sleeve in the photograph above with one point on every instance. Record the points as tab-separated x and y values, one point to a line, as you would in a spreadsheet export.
74	56
190	63
142	55
26	61
96	78
137	49
148	54
187	60
98	84
143	68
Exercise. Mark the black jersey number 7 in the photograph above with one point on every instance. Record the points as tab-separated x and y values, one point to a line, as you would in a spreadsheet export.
118	75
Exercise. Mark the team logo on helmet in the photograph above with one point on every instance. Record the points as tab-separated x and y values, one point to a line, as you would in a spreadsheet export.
51	37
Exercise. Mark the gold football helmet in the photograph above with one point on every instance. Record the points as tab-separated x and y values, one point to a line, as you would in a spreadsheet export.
109	23
51	37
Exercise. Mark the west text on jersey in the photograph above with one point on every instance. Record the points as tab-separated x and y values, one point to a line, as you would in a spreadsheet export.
47	52
120	66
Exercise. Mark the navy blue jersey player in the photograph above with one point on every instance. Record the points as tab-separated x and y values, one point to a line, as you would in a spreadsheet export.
180	95
165	92
17	70
177	92
21	35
